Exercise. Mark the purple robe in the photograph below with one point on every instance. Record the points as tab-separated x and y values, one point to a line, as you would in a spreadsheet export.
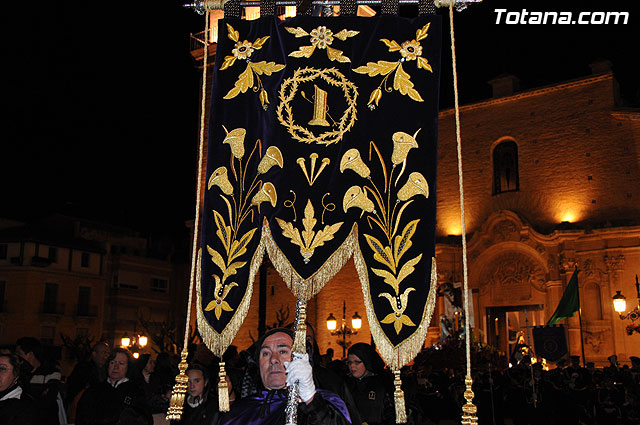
267	408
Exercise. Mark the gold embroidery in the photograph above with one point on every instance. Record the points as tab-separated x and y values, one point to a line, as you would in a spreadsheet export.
409	50
291	204
388	253
321	38
326	207
235	246
398	304
289	90
319	108
351	160
311	179
305	288
309	240
243	51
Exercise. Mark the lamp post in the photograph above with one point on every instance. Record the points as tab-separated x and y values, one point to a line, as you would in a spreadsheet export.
344	330
620	304
137	343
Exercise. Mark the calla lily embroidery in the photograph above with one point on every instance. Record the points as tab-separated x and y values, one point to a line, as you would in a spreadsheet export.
233	234
399	305
386	216
243	51
410	50
321	38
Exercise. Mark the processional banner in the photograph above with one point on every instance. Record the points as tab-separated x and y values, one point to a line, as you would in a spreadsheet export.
322	146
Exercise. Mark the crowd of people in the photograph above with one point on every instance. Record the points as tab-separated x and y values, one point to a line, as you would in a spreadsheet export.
110	387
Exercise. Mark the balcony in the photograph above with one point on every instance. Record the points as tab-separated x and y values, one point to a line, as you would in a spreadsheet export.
54	309
86	311
196	44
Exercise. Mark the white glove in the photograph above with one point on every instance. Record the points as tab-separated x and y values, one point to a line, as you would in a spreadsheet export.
299	370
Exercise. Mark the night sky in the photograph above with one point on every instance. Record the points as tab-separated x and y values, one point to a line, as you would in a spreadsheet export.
100	99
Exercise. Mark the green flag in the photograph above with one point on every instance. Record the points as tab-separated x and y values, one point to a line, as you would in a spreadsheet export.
570	302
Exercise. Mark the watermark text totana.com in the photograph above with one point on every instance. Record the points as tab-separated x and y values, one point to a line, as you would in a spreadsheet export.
525	17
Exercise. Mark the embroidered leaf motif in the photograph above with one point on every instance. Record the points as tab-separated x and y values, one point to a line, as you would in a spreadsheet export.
325	234
240	247
374	68
228	61
304	52
308	222
422	32
218	304
399	305
405	205
344	34
266	68
224	231
389	278
392	45
298	32
260	42
424	64
290	232
403	242
310	239
336	55
380	253
244	82
407	269
402	83
233	34
216	258
232	269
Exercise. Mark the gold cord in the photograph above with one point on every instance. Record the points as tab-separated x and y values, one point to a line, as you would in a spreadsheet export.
179	389
469	410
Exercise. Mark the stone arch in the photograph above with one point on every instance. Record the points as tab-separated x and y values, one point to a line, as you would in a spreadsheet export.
510	273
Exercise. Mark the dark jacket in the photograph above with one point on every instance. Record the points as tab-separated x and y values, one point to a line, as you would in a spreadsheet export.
103	404
373	398
17	408
204	414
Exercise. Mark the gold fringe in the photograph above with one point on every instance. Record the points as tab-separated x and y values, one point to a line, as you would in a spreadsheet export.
219	342
179	389
469	410
403	353
300	341
398	397
305	289
223	390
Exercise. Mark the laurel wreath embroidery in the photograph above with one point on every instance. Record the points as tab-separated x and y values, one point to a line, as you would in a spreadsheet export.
288	91
309	240
249	78
321	38
244	199
387	216
409	50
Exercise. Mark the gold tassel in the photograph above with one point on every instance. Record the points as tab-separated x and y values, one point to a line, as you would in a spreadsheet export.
398	396
469	409
179	389
223	390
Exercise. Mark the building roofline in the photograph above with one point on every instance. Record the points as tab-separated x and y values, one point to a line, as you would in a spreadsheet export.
532	93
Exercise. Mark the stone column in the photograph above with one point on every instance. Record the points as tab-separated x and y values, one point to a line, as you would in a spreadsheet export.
615	267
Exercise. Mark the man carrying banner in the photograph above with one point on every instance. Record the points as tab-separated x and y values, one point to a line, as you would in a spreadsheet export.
277	371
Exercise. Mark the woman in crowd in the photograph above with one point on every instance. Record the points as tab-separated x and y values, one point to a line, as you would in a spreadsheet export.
119	400
200	408
16	407
369	387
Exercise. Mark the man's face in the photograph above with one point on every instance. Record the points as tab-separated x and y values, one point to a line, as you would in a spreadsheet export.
28	357
275	350
100	354
118	367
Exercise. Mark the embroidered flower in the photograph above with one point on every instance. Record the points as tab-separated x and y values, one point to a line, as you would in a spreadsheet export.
243	49
321	37
411	50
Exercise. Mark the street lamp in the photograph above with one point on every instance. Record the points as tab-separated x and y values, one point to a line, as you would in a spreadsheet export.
344	330
620	304
136	343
